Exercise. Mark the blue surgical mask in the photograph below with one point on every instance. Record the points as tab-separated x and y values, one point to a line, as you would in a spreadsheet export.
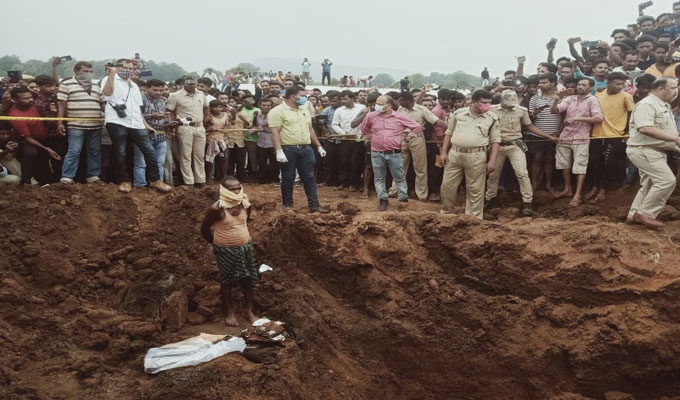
379	108
282	92
302	100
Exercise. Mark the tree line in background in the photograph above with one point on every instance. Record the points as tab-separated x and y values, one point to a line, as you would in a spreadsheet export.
170	71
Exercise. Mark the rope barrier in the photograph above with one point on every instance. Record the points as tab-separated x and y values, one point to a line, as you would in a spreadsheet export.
332	137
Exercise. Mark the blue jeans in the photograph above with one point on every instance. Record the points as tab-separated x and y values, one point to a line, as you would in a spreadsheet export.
395	163
302	159
92	138
119	136
139	172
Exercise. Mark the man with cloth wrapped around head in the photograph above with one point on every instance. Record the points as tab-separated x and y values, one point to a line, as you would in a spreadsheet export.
225	227
512	119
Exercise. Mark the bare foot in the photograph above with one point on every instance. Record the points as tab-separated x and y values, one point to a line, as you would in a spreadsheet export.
251	317
591	195
365	195
231	319
575	202
601	196
564	193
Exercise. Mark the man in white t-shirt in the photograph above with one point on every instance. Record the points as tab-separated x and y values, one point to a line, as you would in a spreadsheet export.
351	151
124	119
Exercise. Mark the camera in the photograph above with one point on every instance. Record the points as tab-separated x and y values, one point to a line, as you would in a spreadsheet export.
120	110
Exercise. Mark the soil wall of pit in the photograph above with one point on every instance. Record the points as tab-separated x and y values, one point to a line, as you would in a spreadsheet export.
406	304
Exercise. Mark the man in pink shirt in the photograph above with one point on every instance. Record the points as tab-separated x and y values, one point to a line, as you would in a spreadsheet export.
384	128
582	112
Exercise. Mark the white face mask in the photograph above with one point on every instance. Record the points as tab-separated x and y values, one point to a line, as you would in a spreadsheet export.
380	109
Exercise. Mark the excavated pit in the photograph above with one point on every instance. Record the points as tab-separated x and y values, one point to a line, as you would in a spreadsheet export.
399	305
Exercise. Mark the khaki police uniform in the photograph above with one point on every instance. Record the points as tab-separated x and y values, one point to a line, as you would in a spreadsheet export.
470	139
415	149
190	140
657	181
511	121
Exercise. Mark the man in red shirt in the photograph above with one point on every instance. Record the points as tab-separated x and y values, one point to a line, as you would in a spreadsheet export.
384	128
34	150
436	173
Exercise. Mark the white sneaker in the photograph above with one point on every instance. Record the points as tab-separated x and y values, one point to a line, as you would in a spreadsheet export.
67	181
94	179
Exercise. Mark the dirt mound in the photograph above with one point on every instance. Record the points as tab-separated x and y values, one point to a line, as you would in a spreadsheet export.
403	304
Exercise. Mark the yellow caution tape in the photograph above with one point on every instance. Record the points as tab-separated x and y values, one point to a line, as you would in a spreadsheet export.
8	118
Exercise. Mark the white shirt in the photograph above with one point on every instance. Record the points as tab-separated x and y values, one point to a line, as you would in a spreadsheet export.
343	117
133	103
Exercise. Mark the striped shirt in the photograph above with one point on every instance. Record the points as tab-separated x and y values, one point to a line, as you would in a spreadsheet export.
80	104
264	139
149	107
545	121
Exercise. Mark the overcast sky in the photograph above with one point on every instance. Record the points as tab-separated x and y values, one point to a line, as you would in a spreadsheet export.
420	36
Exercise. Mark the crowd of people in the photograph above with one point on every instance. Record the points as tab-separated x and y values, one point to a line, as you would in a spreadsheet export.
603	116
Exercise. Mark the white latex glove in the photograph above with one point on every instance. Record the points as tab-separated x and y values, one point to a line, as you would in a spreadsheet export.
281	156
321	151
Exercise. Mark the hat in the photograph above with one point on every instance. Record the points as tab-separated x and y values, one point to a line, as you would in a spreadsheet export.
189	79
509	98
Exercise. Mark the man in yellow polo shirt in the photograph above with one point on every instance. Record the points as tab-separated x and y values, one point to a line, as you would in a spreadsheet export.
292	133
609	147
663	65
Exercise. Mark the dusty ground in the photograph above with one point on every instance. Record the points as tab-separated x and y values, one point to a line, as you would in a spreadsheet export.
407	304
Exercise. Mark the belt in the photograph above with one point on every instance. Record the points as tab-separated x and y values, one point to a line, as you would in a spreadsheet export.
509	143
196	124
299	146
468	149
387	151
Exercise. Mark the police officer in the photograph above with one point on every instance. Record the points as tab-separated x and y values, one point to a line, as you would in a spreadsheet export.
512	118
652	133
463	153
415	149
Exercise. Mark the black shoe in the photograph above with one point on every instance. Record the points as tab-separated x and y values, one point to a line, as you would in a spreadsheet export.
382	206
527	211
199	185
287	207
404	201
319	209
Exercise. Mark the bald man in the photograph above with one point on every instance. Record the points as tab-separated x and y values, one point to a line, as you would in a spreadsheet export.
384	127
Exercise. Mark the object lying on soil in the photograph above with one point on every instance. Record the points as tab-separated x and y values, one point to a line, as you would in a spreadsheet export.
192	351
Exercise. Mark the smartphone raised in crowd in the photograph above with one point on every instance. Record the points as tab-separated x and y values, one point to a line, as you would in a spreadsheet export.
646	4
14	76
145	73
590	43
63	59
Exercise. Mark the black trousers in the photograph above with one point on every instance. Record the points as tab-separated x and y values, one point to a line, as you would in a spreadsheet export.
326	76
237	159
434	173
268	168
329	169
605	157
34	162
351	163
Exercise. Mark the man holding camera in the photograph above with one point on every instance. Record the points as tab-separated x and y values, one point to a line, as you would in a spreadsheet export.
190	106
124	119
